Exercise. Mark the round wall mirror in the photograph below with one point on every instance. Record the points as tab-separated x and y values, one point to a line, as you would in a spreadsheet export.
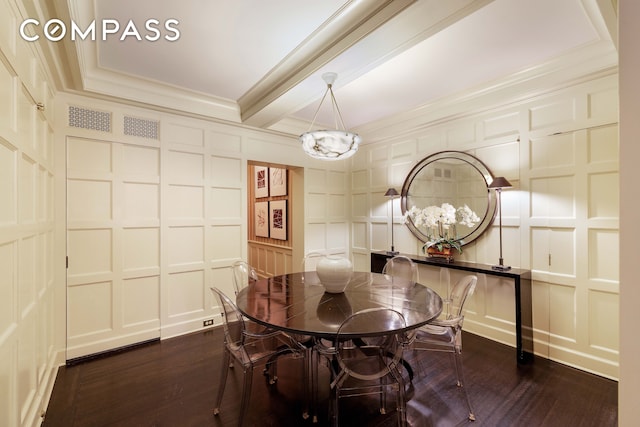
450	177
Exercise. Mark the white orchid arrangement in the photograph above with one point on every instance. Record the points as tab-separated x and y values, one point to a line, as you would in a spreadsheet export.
440	223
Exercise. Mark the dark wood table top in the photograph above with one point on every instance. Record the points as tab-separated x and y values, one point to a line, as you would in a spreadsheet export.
297	302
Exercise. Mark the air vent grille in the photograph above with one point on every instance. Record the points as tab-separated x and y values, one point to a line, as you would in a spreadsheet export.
89	119
141	127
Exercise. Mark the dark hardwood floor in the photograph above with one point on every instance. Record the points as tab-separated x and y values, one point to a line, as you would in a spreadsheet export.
174	383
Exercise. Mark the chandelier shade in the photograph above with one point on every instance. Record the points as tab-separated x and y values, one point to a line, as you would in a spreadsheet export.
334	144
330	144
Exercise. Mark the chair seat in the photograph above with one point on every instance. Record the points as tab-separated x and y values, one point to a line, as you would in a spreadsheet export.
430	333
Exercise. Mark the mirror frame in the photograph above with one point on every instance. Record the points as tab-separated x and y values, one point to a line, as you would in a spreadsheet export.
477	164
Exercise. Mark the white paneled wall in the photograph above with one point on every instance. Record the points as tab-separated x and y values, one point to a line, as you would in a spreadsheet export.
157	212
560	150
29	305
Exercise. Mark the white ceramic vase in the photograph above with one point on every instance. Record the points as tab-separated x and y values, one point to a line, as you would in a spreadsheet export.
334	273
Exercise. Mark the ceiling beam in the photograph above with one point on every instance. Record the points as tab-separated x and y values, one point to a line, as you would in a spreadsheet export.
346	27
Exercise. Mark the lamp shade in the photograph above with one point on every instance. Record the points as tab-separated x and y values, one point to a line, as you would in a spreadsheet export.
500	182
330	144
392	192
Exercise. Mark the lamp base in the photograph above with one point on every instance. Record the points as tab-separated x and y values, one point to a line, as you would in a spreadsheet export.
501	267
392	252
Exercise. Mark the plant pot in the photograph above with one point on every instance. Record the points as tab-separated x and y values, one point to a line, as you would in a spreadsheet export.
334	273
446	254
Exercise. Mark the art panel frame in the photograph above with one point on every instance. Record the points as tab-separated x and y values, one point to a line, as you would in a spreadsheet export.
261	219
278	219
261	182
277	182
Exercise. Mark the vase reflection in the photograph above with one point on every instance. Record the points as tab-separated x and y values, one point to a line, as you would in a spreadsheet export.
333	309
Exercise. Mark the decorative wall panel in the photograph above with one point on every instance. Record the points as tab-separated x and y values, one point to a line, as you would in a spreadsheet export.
360	180
552	112
602	146
228	242
27	274
501	125
185	293
140	161
89	156
8	277
187	202
90	252
186	246
97	200
177	134
336	208
226	203
92	309
359	235
225	142
553	197
603	249
141	250
184	167
8	178
27	189
226	172
603	329
359	205
7	98
141	300
603	203
553	151
141	201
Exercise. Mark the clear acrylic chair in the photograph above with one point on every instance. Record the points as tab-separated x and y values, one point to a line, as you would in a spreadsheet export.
402	268
309	263
243	274
363	365
445	332
246	349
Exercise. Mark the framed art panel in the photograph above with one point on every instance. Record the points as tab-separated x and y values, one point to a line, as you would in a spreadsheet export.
278	219
261	223
261	182
277	182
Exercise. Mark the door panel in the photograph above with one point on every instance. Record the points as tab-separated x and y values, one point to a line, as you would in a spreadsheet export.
113	245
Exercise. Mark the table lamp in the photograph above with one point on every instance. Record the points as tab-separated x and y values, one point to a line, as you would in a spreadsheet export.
498	184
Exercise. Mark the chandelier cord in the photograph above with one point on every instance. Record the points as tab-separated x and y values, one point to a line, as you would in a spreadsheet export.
334	105
336	109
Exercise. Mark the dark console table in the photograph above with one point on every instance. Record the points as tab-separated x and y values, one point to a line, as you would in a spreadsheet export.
522	286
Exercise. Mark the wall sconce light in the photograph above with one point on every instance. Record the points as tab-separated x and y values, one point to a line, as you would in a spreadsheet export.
392	194
498	184
335	144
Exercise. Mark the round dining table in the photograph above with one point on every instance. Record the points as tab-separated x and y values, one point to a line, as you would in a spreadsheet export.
297	303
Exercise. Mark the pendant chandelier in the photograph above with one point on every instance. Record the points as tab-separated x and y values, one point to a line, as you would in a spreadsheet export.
335	144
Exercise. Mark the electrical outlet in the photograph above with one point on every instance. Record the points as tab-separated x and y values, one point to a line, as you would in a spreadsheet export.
208	322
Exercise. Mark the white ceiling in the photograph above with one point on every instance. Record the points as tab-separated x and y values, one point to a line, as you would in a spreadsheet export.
259	62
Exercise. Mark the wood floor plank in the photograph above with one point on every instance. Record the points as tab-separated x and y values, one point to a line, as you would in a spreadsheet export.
174	382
